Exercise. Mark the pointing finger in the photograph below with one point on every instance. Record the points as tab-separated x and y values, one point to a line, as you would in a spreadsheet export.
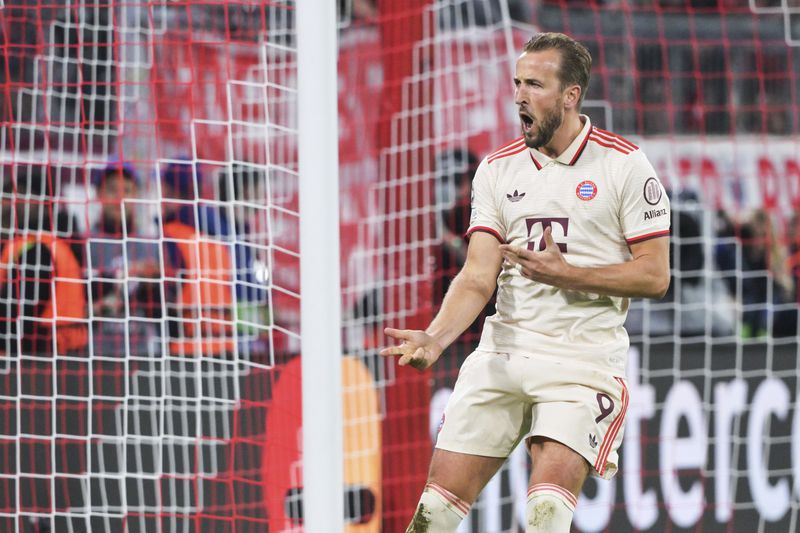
393	350
402	334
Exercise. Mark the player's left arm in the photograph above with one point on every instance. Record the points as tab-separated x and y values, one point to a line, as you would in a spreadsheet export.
646	275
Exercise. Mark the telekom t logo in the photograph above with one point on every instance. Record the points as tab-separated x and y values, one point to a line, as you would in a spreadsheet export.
546	223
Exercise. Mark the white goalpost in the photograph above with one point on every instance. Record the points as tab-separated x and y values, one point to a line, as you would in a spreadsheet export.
321	347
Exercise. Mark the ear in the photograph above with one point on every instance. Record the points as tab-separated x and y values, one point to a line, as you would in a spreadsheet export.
572	96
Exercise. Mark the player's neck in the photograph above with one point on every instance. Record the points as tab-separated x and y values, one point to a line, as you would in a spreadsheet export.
564	135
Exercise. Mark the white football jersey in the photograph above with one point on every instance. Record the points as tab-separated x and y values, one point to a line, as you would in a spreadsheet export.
599	196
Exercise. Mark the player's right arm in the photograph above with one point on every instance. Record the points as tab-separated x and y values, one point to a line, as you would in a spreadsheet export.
468	294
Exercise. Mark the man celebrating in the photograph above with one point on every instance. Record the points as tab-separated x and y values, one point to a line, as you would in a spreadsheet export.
582	223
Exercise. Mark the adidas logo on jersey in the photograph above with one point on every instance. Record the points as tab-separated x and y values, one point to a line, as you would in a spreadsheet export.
516	197
592	441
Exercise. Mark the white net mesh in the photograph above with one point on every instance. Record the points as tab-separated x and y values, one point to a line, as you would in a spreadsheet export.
164	233
149	284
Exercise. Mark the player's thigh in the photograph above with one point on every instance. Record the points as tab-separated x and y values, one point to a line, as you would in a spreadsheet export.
487	414
463	474
586	415
558	464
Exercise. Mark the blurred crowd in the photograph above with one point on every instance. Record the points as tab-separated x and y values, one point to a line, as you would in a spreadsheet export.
123	274
142	265
182	270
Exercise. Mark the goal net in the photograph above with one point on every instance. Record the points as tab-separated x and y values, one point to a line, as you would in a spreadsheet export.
149	223
149	258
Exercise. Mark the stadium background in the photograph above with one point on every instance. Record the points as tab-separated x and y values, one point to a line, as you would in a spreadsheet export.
152	435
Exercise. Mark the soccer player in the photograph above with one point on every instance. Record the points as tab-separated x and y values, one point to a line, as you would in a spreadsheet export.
568	222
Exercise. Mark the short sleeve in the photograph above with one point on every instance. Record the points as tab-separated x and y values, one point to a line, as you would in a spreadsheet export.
645	211
484	214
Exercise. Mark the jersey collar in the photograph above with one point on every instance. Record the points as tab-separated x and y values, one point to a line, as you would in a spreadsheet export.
572	153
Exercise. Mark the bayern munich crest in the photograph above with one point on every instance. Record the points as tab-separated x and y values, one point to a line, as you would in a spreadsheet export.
586	190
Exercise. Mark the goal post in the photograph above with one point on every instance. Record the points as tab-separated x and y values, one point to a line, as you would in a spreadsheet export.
321	325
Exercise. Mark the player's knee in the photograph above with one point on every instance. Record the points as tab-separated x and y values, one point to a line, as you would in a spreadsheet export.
549	509
438	511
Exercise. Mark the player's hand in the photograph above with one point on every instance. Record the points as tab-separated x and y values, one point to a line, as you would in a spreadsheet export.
418	349
546	266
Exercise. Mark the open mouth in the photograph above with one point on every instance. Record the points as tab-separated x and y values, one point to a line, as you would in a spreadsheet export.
526	120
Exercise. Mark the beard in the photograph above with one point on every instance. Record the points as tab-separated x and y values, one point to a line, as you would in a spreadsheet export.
546	129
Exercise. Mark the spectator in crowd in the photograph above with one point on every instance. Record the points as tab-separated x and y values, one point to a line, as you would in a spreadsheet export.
366	329
786	322
179	183
686	260
233	218
765	280
125	268
686	249
455	170
37	299
704	300
726	249
200	276
227	220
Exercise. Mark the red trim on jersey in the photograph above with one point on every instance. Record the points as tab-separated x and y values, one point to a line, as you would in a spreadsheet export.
616	147
506	147
486	229
615	139
619	138
550	487
535	162
508	153
648	236
583	145
613	430
450	498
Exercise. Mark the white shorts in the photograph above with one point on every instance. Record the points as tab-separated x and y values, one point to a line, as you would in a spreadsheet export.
500	398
